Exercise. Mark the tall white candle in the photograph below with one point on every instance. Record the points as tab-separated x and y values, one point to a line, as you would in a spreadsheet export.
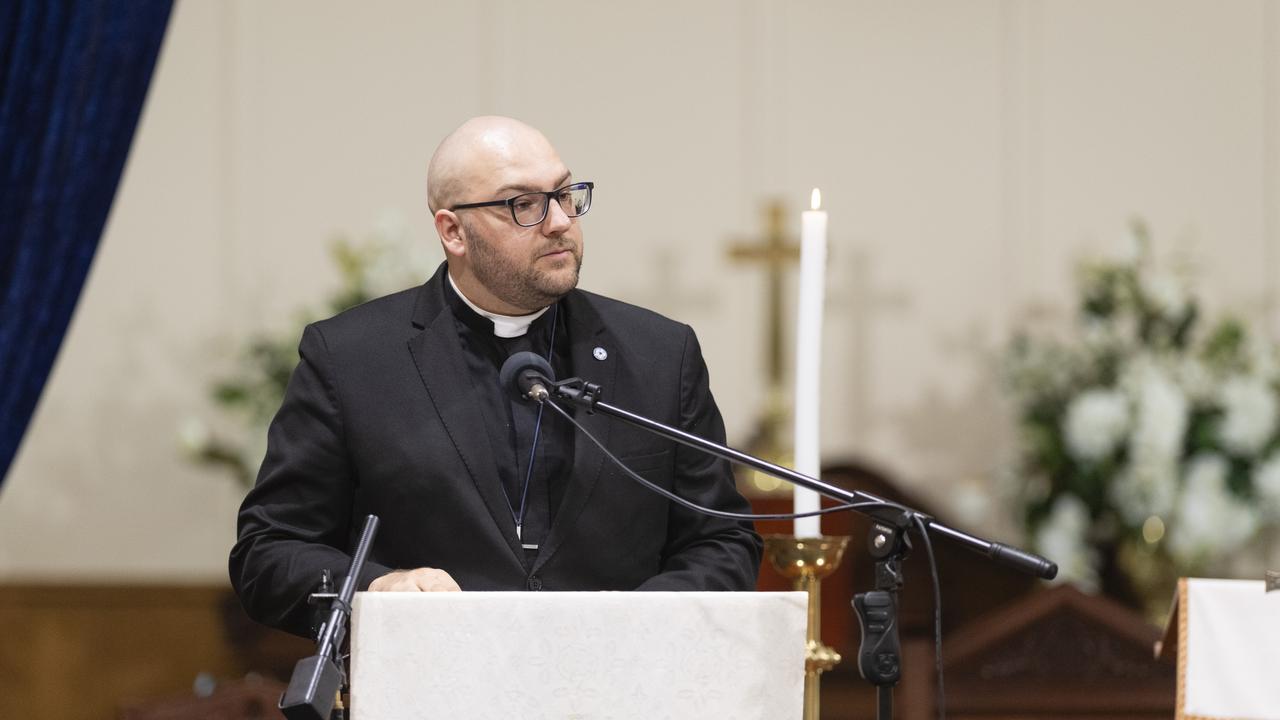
812	287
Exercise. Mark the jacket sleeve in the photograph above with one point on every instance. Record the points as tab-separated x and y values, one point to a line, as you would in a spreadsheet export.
297	520
704	552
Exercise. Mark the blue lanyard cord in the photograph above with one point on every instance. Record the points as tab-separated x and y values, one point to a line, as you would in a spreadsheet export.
524	492
518	517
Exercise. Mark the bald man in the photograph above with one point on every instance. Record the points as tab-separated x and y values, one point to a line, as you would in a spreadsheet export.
395	409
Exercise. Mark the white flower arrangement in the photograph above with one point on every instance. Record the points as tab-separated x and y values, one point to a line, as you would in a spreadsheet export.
1149	450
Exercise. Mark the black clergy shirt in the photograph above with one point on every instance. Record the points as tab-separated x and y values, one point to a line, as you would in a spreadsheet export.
512	422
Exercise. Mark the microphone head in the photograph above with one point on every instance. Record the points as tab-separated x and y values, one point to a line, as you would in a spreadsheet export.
522	370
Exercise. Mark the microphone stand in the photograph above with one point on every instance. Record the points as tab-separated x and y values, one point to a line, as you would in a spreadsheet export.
317	680
879	659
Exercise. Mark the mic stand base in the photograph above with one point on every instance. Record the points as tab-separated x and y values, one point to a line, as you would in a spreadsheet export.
313	689
806	561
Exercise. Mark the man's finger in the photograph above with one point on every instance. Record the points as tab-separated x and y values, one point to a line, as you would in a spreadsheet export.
419	580
432	580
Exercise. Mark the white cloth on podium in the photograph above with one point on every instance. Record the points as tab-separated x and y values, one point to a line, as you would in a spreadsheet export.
614	655
1232	647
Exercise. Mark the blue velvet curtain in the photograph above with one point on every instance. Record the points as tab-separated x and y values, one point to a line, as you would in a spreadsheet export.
73	75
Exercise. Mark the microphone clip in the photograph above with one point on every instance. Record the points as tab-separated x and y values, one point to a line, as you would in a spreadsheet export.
579	392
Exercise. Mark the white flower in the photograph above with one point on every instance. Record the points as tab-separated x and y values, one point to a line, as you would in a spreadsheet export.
1165	293
1250	419
1266	481
1062	539
1160	420
1096	423
1194	378
1210	520
1148	486
1161	417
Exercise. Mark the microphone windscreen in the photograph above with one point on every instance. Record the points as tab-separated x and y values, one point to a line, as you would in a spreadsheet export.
518	363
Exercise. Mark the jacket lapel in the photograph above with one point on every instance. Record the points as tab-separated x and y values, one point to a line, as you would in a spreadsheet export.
437	354
587	335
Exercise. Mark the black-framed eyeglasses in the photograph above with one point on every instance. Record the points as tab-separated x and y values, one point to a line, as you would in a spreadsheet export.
530	209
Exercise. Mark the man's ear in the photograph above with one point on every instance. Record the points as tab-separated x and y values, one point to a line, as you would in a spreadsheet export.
450	231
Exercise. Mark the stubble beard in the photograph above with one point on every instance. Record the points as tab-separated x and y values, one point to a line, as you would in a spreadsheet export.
524	285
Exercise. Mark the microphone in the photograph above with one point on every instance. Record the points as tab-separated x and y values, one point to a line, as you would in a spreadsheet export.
529	374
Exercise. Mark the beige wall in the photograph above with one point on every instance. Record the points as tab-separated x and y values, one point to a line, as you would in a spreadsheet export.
968	153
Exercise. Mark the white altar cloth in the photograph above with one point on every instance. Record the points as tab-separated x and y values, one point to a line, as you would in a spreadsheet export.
597	655
1227	639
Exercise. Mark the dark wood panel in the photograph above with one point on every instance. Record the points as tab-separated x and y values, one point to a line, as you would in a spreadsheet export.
971	585
85	651
1013	648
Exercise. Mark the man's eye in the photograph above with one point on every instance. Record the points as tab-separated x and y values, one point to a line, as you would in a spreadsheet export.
524	202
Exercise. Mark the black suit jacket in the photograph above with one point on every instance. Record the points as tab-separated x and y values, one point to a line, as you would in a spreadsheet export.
380	417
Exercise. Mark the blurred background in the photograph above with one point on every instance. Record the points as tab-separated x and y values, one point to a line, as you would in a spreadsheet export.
990	168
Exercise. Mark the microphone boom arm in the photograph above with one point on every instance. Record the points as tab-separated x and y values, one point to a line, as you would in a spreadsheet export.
586	395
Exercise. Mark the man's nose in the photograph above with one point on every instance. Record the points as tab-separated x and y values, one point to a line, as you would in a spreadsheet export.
556	221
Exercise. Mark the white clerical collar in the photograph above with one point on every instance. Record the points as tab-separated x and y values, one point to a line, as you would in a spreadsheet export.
504	326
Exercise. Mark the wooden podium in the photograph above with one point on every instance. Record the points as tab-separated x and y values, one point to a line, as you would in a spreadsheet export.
1226	637
577	655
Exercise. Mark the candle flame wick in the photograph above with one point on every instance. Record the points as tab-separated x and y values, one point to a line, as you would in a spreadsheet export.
815	199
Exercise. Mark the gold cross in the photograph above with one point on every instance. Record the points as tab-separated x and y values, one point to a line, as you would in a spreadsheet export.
776	253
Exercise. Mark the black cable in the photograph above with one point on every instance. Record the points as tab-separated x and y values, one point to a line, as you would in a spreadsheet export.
915	516
937	615
711	511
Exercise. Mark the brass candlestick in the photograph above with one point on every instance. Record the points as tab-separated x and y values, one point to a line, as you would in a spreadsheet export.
807	561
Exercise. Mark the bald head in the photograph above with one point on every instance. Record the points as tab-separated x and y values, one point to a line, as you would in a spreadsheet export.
478	157
496	262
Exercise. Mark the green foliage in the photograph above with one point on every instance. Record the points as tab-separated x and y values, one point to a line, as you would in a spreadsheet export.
251	395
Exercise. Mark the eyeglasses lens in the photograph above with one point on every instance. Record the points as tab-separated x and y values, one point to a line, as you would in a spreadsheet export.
531	208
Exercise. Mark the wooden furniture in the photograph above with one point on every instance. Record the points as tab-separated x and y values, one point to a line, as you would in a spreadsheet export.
75	651
1056	653
1013	647
251	698
969	580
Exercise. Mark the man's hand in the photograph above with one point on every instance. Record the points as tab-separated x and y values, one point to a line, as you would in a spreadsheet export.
420	580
